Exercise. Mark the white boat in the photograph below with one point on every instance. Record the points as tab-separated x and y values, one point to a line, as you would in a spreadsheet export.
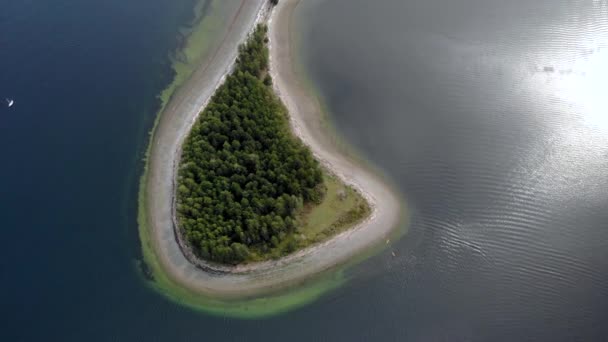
10	102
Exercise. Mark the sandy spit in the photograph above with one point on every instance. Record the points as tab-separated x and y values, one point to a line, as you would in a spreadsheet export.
306	122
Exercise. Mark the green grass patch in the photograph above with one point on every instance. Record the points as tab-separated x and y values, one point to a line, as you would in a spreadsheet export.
342	208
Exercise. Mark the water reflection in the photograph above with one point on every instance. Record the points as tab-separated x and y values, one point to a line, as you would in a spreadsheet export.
492	116
584	84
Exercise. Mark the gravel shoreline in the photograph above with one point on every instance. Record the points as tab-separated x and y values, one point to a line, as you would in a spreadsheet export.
306	121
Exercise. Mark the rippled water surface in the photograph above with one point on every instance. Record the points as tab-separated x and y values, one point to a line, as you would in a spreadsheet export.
490	116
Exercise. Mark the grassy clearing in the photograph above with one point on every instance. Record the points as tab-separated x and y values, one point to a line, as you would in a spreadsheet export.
341	209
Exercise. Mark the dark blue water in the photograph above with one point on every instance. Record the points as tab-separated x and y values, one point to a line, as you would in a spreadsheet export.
509	229
84	75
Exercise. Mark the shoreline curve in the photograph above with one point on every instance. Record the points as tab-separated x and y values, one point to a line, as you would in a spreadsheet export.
305	115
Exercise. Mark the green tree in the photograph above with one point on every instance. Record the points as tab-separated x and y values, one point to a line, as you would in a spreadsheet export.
243	176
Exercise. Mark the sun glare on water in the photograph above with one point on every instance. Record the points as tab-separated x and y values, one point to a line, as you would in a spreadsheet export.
585	85
572	156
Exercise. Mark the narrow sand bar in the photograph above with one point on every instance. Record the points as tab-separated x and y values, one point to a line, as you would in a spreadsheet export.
306	120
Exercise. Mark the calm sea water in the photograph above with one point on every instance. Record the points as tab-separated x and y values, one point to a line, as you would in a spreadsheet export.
492	116
488	114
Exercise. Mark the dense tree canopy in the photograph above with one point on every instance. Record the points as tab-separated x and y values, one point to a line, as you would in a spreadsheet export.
243	176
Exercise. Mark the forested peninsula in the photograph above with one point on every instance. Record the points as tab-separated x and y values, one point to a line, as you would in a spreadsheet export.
247	188
353	214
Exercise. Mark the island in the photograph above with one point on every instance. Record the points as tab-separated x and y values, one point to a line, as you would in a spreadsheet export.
248	189
247	195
